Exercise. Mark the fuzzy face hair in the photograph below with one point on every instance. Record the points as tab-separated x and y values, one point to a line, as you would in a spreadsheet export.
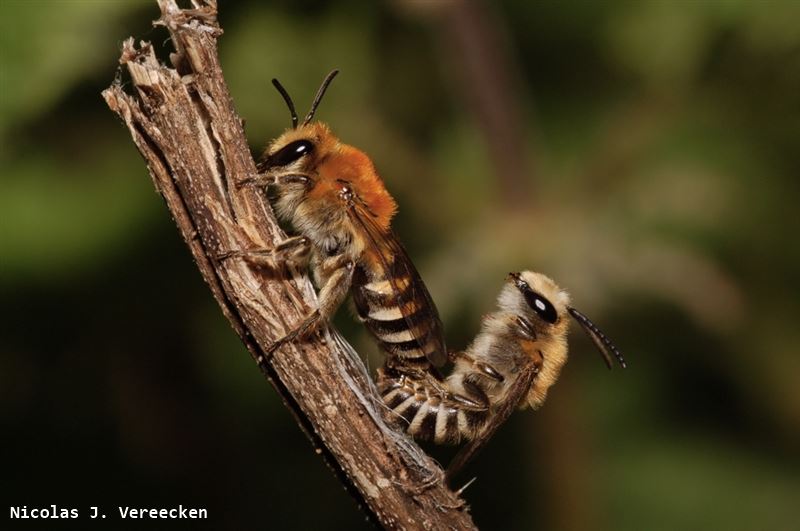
551	338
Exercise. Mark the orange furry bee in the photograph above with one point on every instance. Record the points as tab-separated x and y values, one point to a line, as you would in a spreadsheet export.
332	195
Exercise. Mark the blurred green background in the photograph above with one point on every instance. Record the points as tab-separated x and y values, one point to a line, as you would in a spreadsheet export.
644	154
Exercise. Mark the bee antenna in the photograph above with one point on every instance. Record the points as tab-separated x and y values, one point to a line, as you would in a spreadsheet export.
288	100
320	93
603	344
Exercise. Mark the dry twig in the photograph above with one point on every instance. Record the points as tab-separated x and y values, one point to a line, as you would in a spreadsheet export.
183	122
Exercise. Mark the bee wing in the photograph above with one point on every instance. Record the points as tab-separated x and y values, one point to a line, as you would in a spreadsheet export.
424	322
499	415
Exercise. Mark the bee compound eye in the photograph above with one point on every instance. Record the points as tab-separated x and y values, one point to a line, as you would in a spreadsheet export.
290	153
543	307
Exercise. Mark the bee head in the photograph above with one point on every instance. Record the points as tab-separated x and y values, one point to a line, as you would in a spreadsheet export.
541	296
534	295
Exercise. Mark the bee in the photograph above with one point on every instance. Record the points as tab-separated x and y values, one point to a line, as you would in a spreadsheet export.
512	362
331	194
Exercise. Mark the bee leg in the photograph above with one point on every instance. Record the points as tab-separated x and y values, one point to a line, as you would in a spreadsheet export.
383	380
477	396
293	249
337	285
308	324
481	367
473	398
330	297
270	179
469	403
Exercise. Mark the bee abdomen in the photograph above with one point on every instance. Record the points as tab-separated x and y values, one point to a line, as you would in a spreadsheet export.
427	416
399	321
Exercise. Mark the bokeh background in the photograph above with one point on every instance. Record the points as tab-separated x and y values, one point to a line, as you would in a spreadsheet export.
644	154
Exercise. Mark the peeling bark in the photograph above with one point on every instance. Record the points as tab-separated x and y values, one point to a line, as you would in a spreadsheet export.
183	122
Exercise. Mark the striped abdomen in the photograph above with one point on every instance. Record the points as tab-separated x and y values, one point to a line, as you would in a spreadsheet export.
428	413
396	308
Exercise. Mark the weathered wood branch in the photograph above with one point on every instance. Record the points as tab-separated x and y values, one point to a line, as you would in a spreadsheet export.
183	122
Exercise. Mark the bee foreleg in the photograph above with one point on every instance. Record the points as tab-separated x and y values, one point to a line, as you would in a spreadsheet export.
481	367
294	249
273	179
330	297
475	394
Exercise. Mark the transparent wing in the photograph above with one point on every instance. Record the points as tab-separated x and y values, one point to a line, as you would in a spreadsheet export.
498	416
424	322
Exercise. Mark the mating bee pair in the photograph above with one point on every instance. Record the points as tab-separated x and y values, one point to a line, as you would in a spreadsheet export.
332	195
